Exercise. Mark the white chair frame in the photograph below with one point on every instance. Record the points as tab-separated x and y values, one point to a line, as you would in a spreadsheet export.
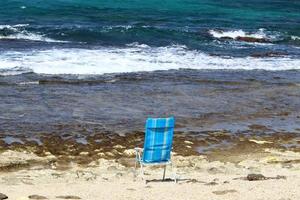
138	160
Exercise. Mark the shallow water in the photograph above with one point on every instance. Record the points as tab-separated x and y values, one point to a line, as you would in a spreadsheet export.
200	100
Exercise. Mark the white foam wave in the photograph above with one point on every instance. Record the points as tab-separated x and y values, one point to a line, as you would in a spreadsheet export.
13	27
133	59
234	34
293	37
19	33
29	83
123	27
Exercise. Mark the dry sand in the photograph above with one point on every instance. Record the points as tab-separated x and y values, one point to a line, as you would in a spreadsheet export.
24	174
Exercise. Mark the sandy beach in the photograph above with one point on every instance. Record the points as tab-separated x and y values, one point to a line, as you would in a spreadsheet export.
259	171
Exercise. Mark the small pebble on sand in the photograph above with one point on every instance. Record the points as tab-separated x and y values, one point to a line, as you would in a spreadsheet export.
3	196
68	197
36	197
222	192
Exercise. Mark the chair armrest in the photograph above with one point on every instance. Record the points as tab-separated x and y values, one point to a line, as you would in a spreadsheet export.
138	149
138	153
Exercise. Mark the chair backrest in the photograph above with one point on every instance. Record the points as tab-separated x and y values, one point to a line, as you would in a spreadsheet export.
158	139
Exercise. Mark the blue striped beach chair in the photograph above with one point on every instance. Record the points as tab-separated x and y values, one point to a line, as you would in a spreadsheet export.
157	145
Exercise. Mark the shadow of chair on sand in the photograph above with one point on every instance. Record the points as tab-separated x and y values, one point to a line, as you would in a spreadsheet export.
178	180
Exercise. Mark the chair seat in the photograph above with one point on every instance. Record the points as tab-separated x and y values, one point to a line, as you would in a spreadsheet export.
155	163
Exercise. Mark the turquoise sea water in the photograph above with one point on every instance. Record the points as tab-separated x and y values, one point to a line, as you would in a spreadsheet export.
123	34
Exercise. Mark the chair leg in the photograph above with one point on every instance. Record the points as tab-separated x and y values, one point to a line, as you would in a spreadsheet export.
164	175
135	169
142	171
174	173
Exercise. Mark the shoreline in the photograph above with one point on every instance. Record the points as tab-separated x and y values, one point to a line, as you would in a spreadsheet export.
216	145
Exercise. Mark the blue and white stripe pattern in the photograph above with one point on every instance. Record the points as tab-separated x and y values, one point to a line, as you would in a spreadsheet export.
158	140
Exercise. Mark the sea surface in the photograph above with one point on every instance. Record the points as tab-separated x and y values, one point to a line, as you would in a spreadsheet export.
97	37
77	65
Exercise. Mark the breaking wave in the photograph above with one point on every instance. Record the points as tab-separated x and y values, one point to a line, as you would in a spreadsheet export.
18	32
133	58
261	34
293	37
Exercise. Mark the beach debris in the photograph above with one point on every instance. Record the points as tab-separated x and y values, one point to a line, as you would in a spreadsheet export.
212	183
278	177
37	197
87	175
214	170
116	152
119	146
84	153
68	197
256	177
260	177
260	141
112	168
188	142
119	175
26	182
56	175
129	152
271	159
101	154
193	181
3	196
222	192
109	154
131	189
